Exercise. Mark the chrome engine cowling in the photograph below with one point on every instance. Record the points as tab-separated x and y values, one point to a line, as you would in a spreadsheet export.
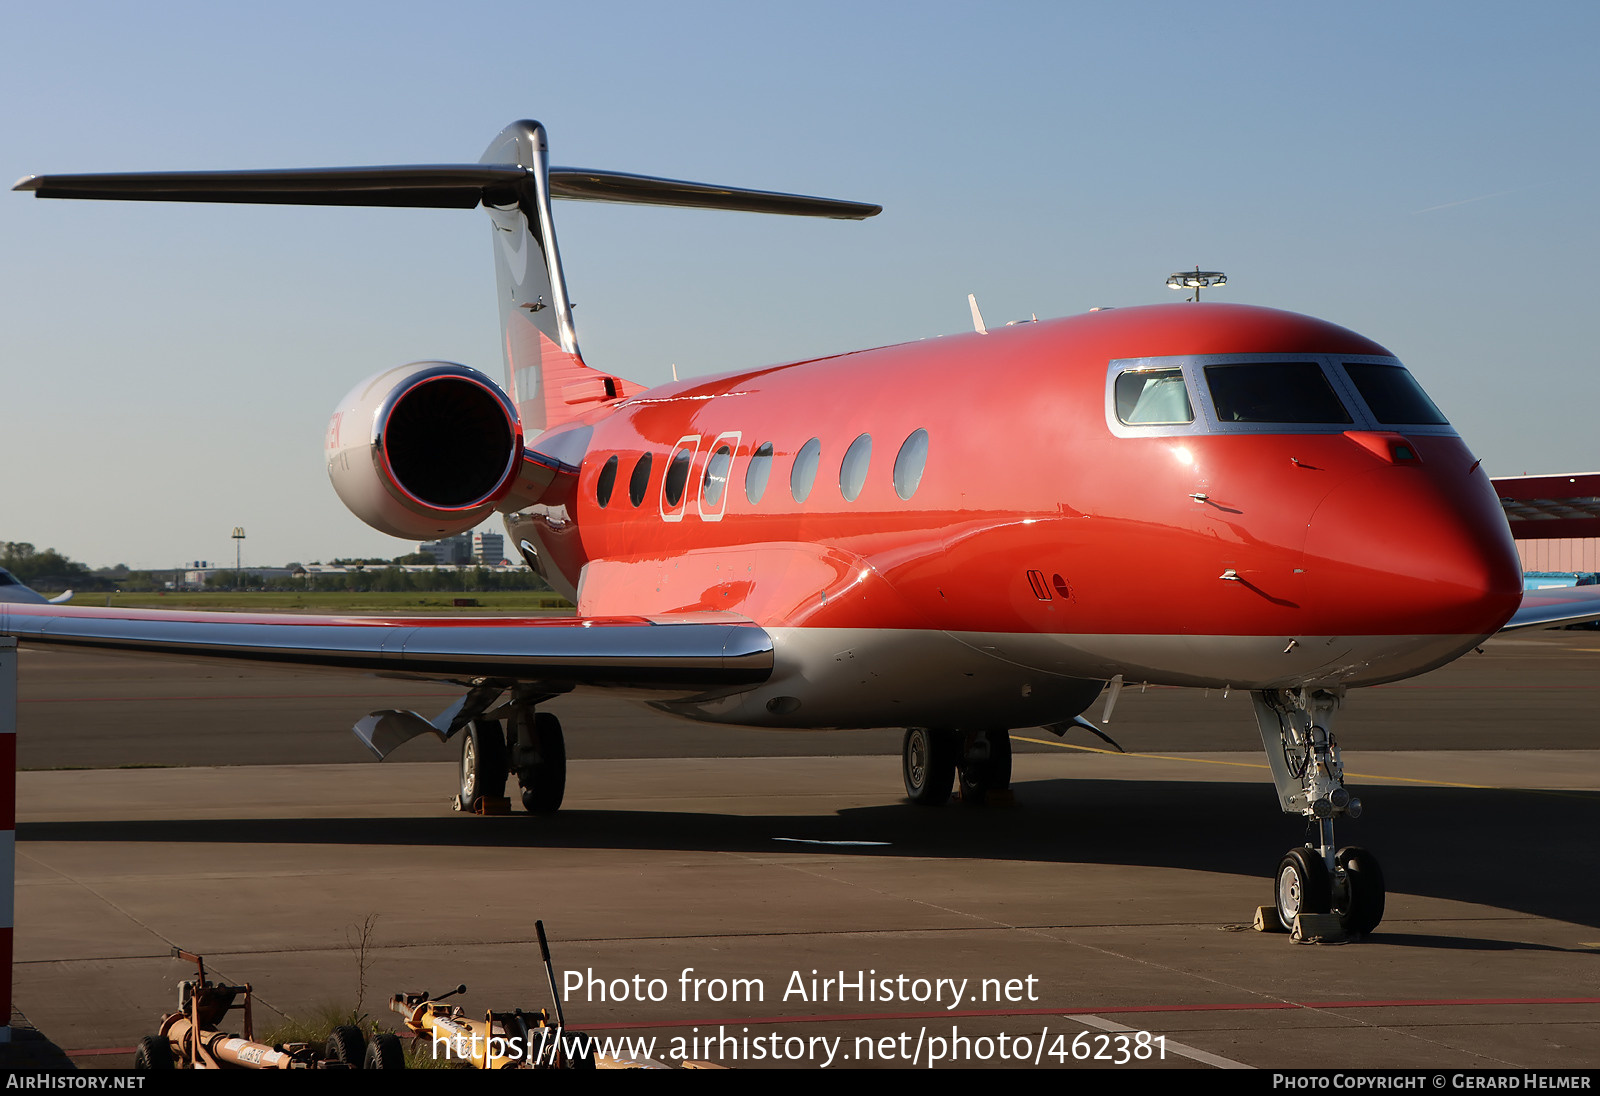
424	450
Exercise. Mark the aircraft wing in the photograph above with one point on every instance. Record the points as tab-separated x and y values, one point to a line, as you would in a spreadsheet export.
686	655
12	589
1555	607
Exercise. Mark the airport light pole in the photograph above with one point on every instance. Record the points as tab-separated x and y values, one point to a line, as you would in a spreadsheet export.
1196	280
238	544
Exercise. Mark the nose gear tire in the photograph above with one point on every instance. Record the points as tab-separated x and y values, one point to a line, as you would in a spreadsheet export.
1363	897
1302	886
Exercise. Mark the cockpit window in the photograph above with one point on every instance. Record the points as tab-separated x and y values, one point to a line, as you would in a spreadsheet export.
1393	394
1274	392
1150	397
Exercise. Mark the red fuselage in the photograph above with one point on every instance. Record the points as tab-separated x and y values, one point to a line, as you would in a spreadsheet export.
1043	531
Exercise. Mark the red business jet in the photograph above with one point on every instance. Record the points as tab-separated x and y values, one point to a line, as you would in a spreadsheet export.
959	536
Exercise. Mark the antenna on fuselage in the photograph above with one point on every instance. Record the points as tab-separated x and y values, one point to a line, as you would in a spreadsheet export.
977	317
1196	280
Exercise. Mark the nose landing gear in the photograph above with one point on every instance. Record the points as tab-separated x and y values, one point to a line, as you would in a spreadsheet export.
1296	730
1303	886
1358	890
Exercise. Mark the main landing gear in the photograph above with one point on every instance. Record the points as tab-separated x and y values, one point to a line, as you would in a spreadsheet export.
1297	731
933	758
530	745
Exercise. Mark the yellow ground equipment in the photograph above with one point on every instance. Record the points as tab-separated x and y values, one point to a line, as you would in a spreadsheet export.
501	1040
192	1039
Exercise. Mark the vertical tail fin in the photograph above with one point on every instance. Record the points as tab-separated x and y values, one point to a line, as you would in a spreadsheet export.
545	371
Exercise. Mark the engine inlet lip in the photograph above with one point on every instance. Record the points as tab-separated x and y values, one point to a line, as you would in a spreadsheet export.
445	371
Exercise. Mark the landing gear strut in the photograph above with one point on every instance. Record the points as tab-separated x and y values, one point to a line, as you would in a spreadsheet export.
1297	731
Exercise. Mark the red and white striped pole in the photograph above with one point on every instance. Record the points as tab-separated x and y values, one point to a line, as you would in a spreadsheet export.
8	819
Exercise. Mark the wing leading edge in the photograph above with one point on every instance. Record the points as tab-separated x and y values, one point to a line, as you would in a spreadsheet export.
687	655
1556	607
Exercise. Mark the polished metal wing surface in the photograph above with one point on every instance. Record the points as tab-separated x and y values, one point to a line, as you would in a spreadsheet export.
679	655
1556	607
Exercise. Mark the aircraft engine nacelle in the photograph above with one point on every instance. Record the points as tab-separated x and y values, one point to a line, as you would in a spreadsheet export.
424	450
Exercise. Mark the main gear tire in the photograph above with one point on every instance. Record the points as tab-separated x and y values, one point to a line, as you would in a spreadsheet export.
544	781
928	765
985	765
482	770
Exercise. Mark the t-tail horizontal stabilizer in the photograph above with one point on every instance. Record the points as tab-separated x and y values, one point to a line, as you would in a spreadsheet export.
548	379
435	186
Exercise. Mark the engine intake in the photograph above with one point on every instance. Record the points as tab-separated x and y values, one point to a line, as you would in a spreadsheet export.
424	450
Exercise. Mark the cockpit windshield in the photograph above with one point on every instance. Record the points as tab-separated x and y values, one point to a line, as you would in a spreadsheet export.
1153	397
1393	394
1274	392
1265	393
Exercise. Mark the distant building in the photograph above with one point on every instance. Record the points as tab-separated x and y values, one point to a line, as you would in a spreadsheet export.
1555	520
488	549
194	578
449	552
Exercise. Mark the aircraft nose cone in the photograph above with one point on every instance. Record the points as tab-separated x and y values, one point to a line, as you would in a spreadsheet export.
1404	552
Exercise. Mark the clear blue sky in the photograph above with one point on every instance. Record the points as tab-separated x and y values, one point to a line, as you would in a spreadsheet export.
1425	173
